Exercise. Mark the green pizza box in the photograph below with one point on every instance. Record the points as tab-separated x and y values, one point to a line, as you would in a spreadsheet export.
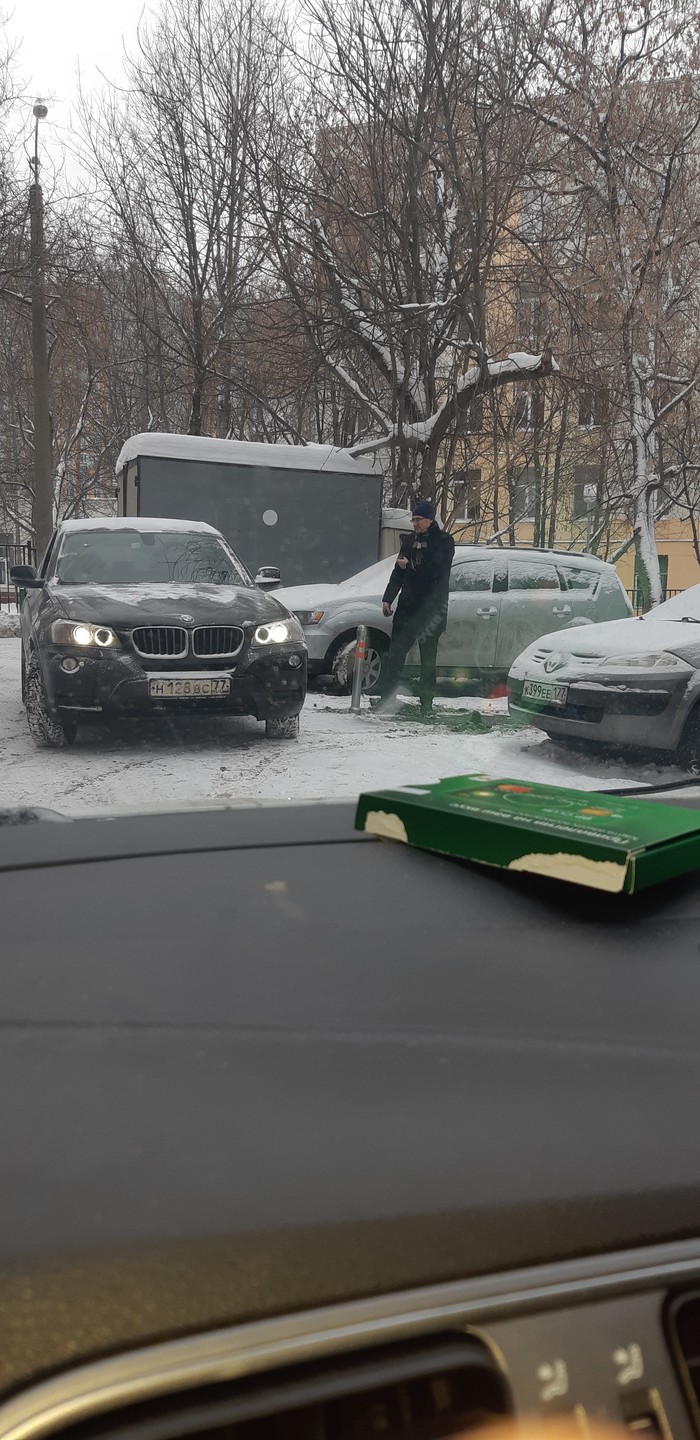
608	842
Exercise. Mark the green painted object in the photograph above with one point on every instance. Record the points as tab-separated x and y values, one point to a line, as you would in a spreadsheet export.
607	842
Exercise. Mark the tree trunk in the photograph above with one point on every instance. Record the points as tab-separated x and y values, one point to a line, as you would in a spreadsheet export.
642	437
556	477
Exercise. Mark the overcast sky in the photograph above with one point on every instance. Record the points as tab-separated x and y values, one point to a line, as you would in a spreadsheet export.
58	39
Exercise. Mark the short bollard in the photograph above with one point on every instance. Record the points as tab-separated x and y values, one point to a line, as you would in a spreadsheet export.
358	669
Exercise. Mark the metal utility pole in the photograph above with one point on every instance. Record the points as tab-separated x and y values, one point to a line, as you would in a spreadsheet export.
42	503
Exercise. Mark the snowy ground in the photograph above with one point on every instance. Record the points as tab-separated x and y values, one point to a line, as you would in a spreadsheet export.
137	765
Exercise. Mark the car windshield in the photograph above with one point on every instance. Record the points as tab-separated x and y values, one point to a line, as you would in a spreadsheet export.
376	576
149	557
275	320
372	577
685	606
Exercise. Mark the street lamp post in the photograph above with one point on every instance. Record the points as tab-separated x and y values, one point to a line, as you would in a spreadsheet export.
42	503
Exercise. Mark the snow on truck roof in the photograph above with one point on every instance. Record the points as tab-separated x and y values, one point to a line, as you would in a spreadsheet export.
126	522
245	452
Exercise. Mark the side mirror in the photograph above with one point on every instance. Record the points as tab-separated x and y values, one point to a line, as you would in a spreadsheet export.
268	578
25	577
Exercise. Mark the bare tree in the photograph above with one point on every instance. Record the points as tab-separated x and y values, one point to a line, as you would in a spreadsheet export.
170	156
614	92
386	174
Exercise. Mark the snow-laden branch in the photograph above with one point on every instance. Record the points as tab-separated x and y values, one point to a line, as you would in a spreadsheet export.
365	328
669	406
447	232
489	376
356	389
498	534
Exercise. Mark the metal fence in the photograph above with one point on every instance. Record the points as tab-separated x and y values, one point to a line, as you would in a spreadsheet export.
12	555
636	598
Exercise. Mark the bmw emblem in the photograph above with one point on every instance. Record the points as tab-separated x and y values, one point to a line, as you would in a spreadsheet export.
187	619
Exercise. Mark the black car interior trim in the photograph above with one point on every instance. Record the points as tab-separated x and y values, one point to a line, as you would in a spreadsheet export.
494	1309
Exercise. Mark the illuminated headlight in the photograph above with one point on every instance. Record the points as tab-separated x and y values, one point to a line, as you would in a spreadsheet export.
279	632
78	632
309	617
655	660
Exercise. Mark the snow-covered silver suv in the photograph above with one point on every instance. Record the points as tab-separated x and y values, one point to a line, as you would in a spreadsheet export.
500	601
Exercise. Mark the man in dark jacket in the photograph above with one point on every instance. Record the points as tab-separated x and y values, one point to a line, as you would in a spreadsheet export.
421	578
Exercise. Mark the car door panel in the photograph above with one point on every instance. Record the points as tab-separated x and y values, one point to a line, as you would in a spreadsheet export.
471	637
533	605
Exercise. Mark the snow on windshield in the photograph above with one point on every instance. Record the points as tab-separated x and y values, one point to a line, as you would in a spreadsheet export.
688	603
376	576
125	557
373	577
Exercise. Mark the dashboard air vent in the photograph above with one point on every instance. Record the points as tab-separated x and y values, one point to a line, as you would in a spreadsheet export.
683	1325
424	1390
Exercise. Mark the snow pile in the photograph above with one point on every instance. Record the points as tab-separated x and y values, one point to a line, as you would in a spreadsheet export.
125	524
9	625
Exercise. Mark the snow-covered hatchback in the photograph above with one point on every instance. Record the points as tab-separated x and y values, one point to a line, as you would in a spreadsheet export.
136	617
630	683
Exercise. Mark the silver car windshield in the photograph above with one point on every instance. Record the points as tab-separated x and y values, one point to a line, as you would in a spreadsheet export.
685	606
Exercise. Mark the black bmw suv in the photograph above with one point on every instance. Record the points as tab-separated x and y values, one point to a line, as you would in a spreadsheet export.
136	617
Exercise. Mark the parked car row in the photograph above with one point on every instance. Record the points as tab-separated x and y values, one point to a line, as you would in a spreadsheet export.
500	600
135	617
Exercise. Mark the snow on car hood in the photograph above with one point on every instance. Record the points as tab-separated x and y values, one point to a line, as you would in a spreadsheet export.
126	605
634	636
308	597
372	581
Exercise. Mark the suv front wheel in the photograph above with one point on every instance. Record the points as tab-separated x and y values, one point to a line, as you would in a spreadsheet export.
343	664
282	727
46	727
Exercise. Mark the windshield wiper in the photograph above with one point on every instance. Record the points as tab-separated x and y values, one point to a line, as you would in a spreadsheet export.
689	620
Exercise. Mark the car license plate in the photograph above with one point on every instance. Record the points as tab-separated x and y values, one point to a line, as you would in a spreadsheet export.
547	694
191	687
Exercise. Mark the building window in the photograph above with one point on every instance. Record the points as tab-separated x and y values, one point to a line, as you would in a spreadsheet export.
528	411
528	313
475	416
466	495
591	408
525	495
88	462
584	476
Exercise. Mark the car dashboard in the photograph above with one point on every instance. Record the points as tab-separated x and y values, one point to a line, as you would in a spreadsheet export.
307	1134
